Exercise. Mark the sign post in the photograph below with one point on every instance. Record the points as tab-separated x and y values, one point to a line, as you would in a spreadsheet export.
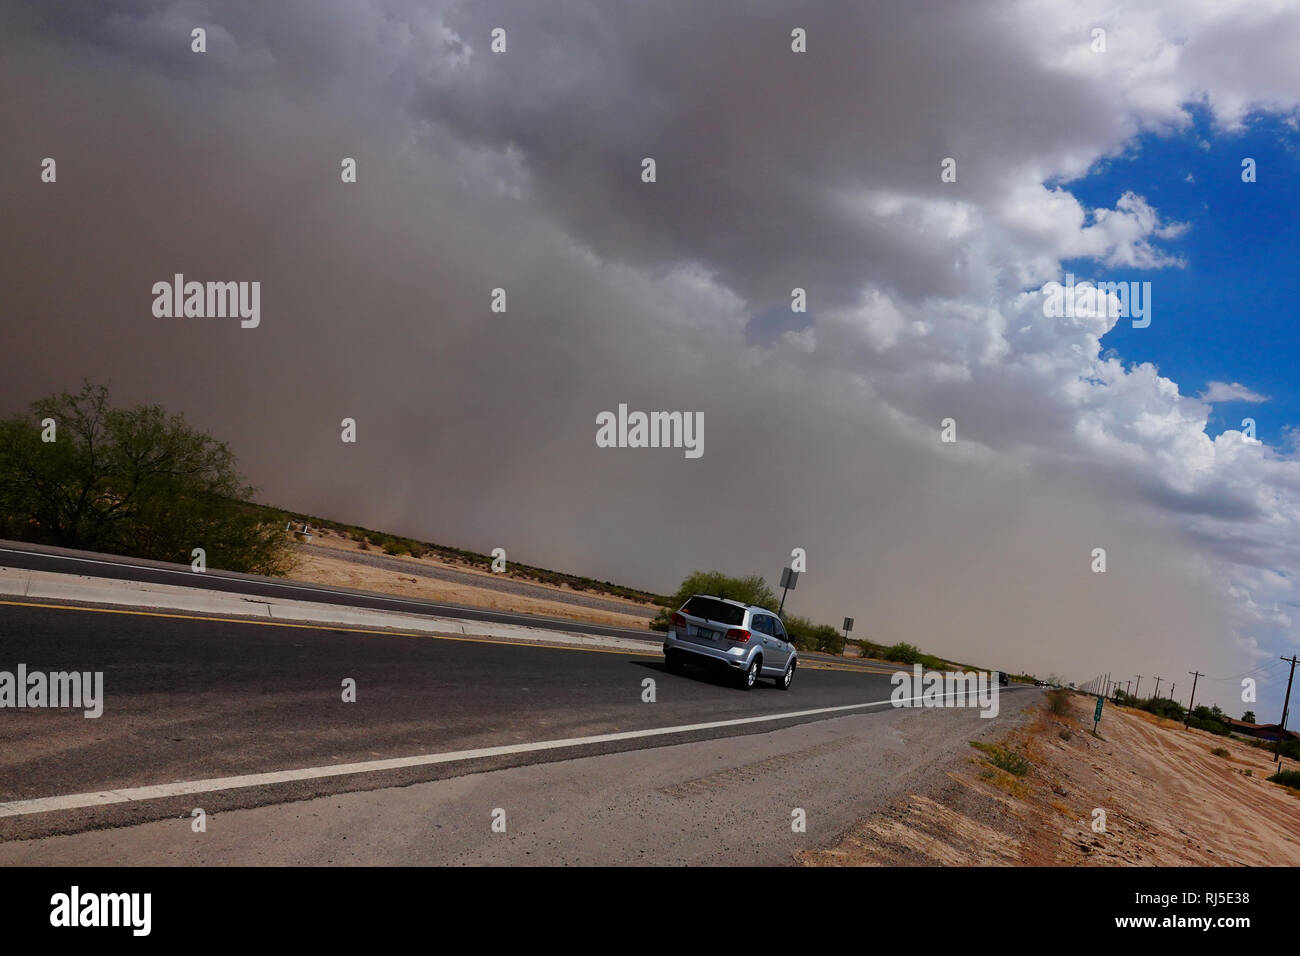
1096	714
789	580
848	626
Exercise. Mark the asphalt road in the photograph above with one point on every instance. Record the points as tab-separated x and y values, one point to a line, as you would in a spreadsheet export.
193	699
64	561
717	802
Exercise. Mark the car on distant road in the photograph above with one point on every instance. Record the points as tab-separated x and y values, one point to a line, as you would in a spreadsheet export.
747	640
1003	679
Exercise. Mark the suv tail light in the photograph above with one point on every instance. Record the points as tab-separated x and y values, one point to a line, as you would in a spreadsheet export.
739	635
678	620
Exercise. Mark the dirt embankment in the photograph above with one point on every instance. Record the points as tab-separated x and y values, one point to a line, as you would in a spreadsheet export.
337	561
1167	798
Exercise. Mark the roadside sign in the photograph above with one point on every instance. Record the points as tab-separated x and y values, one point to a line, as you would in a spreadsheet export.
1096	714
789	579
848	624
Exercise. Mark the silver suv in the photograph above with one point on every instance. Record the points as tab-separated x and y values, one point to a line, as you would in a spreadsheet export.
747	640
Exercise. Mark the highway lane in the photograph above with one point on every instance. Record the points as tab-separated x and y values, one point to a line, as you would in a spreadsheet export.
718	802
66	561
191	699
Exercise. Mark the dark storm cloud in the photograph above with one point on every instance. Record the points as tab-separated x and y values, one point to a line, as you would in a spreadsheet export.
521	171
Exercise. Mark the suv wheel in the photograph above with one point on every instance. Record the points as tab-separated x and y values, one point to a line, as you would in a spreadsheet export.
787	677
673	661
750	677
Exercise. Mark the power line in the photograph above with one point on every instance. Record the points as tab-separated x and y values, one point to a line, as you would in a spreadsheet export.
1271	666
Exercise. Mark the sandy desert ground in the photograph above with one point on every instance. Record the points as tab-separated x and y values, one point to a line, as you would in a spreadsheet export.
335	561
1168	800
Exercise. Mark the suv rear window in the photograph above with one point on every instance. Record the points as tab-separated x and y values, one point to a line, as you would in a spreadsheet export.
714	610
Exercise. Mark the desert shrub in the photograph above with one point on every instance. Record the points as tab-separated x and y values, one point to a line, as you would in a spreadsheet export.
828	640
1165	707
1210	726
800	631
903	653
1220	752
1003	758
1288	778
1058	702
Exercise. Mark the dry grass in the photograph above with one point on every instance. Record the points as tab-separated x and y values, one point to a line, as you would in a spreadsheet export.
1003	758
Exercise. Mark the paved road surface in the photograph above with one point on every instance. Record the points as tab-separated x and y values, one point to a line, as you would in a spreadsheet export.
189	700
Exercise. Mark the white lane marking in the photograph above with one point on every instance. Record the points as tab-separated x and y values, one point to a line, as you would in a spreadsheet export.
291	587
75	801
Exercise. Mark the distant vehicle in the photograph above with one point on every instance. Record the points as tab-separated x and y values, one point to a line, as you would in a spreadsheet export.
1003	679
744	639
1040	683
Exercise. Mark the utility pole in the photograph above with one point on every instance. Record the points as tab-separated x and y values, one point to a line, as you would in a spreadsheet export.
1286	707
1171	693
1286	710
1196	675
1138	689
1158	687
1128	686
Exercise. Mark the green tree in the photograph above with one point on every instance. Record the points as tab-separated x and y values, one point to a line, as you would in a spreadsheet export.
1248	717
750	590
129	481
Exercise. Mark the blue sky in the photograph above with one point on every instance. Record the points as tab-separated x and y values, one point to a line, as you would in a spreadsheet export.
1230	314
